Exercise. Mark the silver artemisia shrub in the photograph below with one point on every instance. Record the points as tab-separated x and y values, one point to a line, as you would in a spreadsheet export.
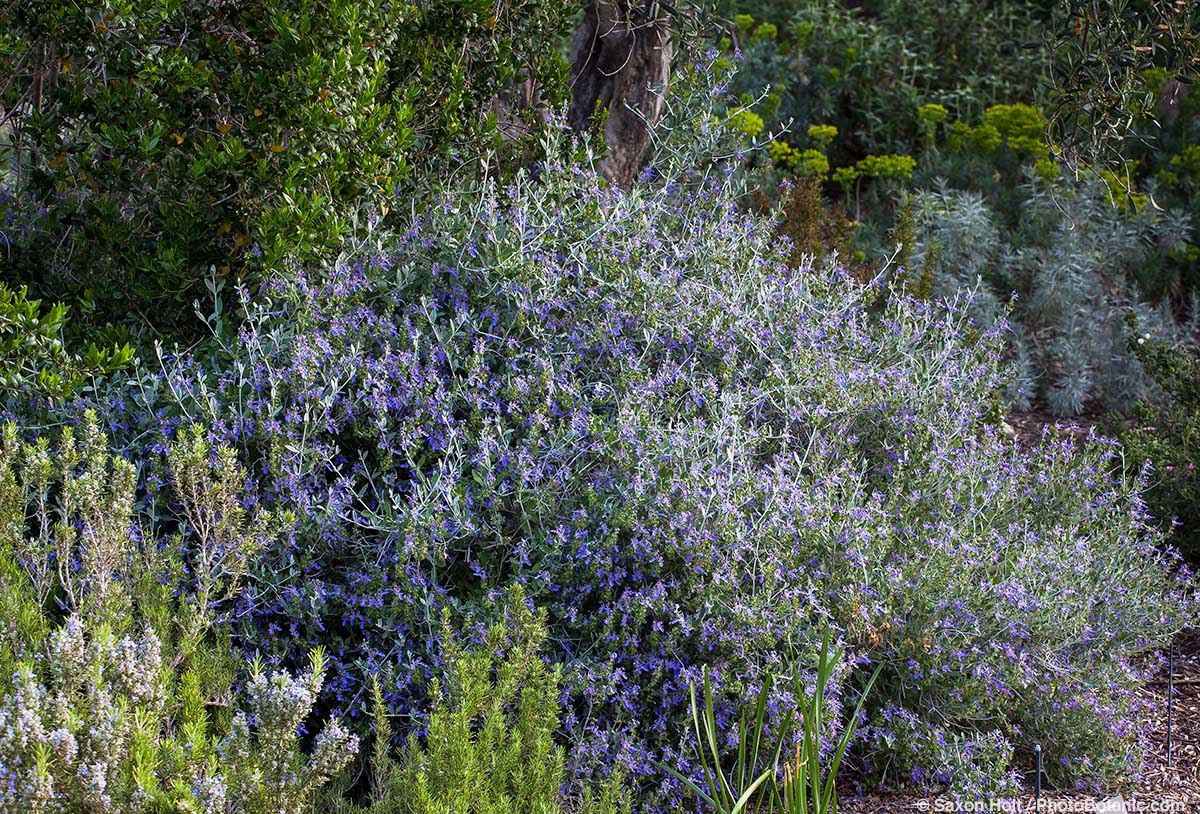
1074	261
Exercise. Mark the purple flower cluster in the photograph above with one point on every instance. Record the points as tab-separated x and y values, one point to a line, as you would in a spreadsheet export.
690	455
21	218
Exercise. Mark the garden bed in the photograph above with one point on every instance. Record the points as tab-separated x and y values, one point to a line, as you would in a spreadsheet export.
1166	786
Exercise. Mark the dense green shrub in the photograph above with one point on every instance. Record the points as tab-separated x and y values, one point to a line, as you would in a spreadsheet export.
489	744
160	144
1167	435
35	360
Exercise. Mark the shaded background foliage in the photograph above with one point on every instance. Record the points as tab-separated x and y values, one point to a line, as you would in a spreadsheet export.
980	158
163	144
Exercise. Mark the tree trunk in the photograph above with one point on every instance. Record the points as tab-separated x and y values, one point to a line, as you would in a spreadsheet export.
621	63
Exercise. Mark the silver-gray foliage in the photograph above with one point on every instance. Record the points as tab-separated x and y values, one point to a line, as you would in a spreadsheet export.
1072	260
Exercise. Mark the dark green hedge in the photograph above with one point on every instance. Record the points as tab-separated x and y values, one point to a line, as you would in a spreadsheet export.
161	143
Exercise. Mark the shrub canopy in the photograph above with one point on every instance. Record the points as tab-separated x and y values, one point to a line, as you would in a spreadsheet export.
690	455
167	142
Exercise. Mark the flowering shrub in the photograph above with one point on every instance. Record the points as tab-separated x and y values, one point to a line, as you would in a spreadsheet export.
690	456
120	707
83	739
104	734
267	772
889	167
1020	126
928	118
822	135
810	163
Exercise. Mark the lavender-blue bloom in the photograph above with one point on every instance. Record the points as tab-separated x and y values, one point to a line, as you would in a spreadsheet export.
690	455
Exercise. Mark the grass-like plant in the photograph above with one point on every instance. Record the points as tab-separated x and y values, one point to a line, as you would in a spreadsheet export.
731	791
805	787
